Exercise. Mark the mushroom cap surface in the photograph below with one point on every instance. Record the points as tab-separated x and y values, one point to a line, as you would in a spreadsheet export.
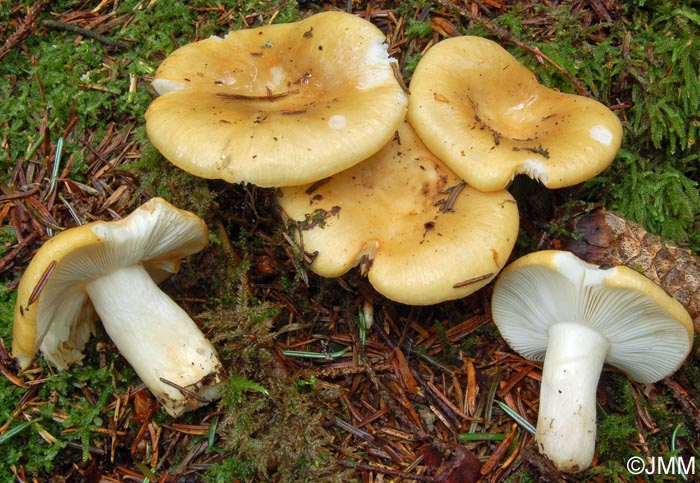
649	332
394	212
487	116
53	311
279	105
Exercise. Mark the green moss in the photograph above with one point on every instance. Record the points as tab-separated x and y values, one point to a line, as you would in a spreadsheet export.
520	476
656	195
158	177
655	180
64	410
615	429
232	468
410	66
417	29
280	436
272	425
7	311
691	372
411	7
236	387
65	413
287	13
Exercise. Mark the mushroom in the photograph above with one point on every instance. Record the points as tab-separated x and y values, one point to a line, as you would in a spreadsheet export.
487	117
110	270
418	232
552	306
279	105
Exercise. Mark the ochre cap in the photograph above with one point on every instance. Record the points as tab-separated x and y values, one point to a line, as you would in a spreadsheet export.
488	118
279	105
424	236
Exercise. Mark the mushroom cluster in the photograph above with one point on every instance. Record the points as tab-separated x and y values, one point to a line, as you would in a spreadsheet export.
423	212
410	187
481	127
277	106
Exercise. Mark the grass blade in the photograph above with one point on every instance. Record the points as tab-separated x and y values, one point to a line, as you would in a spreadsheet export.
517	417
10	433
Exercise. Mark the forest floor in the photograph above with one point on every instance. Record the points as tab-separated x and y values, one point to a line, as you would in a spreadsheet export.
427	393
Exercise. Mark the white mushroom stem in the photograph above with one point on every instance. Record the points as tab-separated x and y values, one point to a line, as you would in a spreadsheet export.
157	337
566	425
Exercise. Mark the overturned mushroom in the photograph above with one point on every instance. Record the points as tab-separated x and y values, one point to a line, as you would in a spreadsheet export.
487	117
110	270
420	233
553	306
279	105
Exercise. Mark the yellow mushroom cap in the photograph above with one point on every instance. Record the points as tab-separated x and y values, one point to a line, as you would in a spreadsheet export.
402	212
486	116
279	105
53	310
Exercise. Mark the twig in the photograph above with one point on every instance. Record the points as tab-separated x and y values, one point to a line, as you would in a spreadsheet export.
268	97
316	185
226	242
24	29
18	194
12	254
447	205
355	431
687	404
11	377
390	400
385	471
54	24
446	409
41	283
499	452
183	390
472	280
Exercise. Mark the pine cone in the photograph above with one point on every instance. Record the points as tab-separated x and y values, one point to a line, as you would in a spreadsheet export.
603	237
